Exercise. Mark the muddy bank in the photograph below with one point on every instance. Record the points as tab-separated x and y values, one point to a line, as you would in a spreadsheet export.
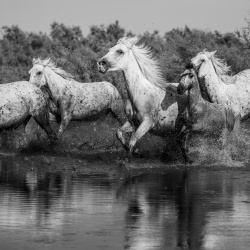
85	139
97	140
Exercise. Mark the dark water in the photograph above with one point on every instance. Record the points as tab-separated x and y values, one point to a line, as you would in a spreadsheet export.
107	206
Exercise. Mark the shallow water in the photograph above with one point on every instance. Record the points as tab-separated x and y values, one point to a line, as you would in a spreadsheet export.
70	204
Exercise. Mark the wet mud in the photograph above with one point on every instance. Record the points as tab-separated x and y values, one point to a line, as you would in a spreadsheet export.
91	140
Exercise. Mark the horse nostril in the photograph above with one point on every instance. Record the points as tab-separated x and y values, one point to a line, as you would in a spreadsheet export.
180	89
102	62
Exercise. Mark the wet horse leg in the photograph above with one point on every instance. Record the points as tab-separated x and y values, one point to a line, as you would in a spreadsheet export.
183	141
126	128
42	119
65	119
232	122
144	127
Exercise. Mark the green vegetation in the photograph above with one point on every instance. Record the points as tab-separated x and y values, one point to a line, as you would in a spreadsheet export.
78	54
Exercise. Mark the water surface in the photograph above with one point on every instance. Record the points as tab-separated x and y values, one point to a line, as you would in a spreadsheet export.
98	205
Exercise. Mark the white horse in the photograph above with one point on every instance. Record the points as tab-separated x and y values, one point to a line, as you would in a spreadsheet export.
153	108
219	86
19	101
72	100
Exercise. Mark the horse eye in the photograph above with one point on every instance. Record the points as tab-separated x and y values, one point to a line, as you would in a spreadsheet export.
119	51
39	73
191	75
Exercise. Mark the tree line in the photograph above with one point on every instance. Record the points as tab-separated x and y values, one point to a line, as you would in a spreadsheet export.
77	54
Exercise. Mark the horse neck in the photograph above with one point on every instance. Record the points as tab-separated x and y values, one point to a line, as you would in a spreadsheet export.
55	83
194	95
211	84
136	81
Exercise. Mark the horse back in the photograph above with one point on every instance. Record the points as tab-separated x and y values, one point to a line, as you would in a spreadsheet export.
94	98
97	90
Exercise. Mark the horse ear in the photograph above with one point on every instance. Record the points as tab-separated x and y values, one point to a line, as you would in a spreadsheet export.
33	61
212	53
135	40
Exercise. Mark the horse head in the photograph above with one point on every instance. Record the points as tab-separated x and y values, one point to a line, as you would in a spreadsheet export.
130	57
201	59
44	71
37	74
118	56
187	79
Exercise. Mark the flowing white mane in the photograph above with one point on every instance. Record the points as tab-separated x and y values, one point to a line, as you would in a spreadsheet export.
147	62
221	68
49	63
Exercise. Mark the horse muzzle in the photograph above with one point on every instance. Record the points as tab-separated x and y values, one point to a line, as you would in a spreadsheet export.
180	90
102	65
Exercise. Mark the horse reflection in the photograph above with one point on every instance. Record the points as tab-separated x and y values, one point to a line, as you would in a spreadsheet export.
172	213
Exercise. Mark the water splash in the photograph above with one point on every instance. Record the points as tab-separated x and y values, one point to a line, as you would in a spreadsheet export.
206	150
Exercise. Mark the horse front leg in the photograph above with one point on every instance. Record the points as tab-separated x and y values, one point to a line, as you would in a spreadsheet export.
144	127
65	119
183	142
42	119
126	128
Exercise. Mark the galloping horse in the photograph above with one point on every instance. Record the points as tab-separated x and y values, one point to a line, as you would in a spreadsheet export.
19	101
202	116
72	100
219	86
146	90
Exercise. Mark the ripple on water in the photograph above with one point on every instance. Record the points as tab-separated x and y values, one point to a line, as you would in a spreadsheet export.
142	205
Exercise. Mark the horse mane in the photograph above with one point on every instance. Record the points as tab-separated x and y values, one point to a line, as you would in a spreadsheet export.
221	68
147	62
49	63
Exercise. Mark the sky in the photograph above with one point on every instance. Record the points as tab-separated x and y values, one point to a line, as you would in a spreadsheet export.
137	16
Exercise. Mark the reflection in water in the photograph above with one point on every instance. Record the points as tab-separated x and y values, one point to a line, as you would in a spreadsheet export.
118	209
